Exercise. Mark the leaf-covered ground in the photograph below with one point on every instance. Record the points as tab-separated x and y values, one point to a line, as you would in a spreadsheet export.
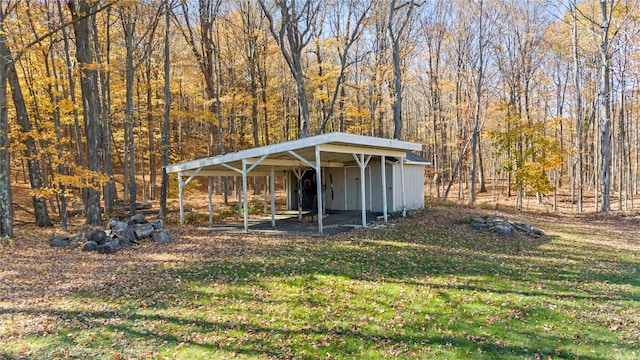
428	287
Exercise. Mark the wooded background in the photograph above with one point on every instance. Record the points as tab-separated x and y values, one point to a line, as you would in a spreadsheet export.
541	95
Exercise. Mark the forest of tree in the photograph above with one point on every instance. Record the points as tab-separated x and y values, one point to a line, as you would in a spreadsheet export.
96	96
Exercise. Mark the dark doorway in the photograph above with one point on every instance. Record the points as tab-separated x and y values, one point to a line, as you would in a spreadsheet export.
309	190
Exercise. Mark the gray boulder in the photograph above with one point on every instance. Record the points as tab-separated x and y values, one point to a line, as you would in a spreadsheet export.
524	227
502	226
116	225
537	232
98	236
158	224
505	229
90	246
142	231
497	218
162	236
479	223
59	241
126	237
110	247
137	218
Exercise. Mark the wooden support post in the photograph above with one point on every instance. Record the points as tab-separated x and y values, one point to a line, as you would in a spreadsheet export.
362	164
344	177
273	196
383	166
319	190
404	201
210	191
244	195
180	197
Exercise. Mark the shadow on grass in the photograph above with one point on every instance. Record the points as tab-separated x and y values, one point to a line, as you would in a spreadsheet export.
271	299
412	255
268	338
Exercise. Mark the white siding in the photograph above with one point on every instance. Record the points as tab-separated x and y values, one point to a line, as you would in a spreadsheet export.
376	186
345	192
413	187
334	195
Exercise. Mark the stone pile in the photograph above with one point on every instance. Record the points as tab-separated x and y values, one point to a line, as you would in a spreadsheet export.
502	226
119	234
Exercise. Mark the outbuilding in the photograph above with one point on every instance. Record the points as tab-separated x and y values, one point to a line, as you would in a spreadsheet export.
345	169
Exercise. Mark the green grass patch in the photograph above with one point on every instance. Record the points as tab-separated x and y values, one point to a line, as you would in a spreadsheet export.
409	291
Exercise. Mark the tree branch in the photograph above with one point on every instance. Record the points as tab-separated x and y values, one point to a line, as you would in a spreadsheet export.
52	32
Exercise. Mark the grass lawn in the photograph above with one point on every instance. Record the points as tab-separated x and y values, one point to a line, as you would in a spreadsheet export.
428	287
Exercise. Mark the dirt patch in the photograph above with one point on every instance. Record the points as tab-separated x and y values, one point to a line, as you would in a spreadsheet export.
288	223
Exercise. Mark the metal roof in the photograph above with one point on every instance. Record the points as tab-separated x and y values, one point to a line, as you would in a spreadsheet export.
415	158
336	150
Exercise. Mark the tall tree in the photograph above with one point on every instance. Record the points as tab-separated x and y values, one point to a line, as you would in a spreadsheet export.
167	110
104	76
202	41
434	28
6	203
31	152
130	16
348	22
604	101
479	83
400	15
250	29
519	54
129	22
291	23
605	26
83	30
578	103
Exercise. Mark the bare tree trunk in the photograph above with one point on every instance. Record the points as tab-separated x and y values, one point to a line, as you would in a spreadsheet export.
261	67
351	36
622	158
128	24
6	202
31	152
129	20
72	91
250	27
478	99
456	170
397	103
578	101
167	109
292	32
396	30
216	69
483	186
153	167
205	50
109	189
62	169
604	104
91	109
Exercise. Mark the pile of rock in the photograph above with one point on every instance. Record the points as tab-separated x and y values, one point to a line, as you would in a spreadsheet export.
119	234
502	226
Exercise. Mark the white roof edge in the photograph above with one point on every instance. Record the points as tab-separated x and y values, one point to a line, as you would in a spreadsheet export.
427	163
294	145
368	140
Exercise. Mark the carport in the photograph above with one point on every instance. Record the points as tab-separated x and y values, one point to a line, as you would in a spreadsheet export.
332	150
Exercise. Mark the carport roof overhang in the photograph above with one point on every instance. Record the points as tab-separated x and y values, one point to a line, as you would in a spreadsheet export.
317	152
337	151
